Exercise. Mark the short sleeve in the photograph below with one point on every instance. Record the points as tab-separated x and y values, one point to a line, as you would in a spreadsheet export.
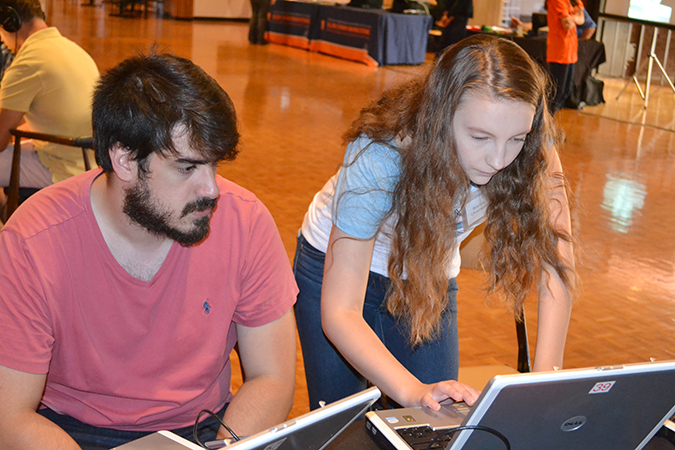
558	8
588	21
25	328
365	186
268	287
20	85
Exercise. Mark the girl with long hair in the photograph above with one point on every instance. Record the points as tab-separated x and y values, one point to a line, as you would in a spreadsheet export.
378	253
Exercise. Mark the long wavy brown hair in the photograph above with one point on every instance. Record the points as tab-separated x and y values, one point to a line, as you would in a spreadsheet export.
419	115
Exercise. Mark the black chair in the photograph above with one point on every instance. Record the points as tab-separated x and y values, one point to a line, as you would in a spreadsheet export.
14	192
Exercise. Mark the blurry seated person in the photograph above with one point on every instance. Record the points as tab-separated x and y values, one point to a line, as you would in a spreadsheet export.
124	289
586	30
49	87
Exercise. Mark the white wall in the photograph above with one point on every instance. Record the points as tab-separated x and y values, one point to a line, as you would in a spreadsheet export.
527	7
222	9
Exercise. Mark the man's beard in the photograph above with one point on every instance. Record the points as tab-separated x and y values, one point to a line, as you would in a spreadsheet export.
142	209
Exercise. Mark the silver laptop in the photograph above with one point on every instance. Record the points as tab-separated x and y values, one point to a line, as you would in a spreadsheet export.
311	431
161	440
615	408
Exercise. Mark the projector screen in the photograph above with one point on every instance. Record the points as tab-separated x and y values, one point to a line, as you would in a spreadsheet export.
660	11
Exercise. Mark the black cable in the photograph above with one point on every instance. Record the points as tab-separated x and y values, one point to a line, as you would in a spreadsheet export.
195	433
472	427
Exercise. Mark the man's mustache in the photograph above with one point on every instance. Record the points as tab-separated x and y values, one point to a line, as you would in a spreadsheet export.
201	204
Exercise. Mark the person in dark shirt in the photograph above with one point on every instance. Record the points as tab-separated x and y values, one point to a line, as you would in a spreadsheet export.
455	18
258	23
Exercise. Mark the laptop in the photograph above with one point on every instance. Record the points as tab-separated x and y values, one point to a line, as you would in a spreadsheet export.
615	407
311	431
161	440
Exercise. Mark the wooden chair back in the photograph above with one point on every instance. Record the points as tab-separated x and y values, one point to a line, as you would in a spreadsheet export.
84	143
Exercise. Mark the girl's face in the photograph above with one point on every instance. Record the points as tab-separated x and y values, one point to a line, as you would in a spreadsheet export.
489	133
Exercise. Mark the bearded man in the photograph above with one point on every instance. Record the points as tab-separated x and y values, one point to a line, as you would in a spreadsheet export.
124	290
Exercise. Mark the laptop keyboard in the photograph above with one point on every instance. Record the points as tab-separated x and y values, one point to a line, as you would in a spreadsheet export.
420	437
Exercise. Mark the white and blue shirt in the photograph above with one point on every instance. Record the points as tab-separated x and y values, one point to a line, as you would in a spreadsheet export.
364	187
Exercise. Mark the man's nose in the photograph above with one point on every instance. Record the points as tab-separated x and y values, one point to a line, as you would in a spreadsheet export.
208	187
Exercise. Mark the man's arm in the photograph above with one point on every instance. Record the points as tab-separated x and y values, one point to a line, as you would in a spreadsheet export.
516	22
21	427
8	119
588	26
587	34
268	358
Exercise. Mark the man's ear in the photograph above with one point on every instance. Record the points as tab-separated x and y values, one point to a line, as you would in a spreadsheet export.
123	165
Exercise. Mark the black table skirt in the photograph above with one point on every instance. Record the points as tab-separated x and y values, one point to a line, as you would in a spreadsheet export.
591	54
373	37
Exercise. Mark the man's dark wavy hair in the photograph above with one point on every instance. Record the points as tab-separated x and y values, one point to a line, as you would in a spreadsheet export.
140	103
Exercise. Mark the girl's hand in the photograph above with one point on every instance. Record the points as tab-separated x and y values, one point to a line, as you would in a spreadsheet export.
430	395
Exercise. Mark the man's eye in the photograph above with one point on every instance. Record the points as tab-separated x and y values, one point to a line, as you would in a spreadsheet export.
186	169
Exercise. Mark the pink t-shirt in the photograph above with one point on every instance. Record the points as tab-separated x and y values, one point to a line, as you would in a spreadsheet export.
124	353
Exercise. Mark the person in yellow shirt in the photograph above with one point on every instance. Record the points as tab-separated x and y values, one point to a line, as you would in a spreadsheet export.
48	88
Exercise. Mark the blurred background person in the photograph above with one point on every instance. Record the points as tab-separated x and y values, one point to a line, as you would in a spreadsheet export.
49	86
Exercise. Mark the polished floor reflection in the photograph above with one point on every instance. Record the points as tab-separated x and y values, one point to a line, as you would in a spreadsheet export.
294	105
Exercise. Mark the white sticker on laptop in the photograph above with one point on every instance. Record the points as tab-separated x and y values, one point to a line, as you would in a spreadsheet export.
602	387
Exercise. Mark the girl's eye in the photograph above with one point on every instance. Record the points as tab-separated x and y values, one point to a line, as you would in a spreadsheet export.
480	138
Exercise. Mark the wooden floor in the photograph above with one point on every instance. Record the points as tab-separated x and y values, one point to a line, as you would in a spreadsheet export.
293	106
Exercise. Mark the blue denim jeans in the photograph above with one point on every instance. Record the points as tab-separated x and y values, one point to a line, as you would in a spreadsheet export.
329	375
95	438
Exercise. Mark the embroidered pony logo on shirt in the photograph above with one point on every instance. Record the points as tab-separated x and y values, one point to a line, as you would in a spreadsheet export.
207	307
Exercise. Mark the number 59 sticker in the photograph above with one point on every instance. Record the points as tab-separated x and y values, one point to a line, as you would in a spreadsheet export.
602	387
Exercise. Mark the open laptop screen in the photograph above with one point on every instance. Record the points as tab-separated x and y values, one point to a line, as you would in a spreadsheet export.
314	430
311	431
617	408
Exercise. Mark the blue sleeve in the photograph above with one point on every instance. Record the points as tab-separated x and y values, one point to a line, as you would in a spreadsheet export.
364	189
588	23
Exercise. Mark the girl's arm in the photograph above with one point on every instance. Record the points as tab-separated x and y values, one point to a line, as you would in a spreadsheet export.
555	302
344	287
